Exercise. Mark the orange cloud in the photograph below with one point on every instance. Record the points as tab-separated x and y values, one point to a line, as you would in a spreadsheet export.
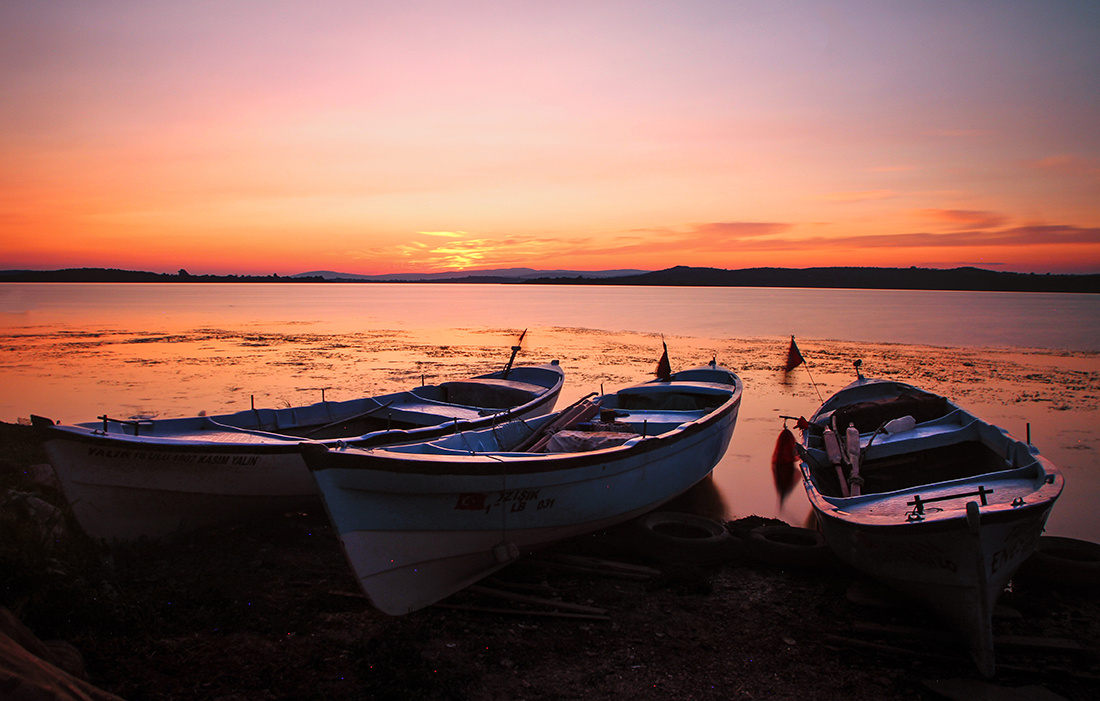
714	239
458	253
738	231
723	244
1020	236
1065	164
965	218
648	247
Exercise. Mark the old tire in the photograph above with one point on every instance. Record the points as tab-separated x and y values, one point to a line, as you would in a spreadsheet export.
789	546
671	536
1064	562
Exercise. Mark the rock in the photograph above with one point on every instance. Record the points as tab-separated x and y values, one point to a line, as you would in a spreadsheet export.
43	475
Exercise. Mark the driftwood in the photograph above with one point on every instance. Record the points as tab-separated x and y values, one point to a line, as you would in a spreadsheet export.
590	565
525	612
928	634
561	609
892	650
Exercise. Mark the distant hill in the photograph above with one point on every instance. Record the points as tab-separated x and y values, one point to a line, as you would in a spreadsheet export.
495	275
971	279
113	275
861	278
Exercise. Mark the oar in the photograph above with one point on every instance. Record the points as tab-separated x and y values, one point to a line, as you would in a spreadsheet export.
567	416
836	456
852	440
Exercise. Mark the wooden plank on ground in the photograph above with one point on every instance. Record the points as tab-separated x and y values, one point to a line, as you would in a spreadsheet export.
536	600
596	563
525	612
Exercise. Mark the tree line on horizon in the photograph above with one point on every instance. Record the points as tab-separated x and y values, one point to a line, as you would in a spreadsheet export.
913	278
115	275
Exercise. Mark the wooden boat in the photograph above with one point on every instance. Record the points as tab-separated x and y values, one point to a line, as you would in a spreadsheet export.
939	504
131	478
419	522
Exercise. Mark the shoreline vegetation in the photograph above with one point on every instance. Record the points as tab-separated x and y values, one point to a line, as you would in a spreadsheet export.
956	279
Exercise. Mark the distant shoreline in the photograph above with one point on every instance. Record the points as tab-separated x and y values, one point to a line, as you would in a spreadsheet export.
955	279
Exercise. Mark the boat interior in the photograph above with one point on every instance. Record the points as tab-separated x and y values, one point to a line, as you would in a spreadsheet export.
485	393
353	426
695	397
872	414
953	447
424	406
941	463
625	417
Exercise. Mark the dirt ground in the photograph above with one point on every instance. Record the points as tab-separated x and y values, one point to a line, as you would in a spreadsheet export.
271	611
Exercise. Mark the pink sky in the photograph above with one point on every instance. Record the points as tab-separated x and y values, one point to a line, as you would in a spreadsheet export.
374	137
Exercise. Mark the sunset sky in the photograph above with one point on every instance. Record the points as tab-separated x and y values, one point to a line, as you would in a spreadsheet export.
260	137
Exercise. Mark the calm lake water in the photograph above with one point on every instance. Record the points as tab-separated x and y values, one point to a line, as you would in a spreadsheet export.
1023	361
1053	321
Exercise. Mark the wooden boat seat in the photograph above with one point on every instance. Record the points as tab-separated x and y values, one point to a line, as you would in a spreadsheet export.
911	469
569	441
488	393
655	422
1001	490
956	427
698	399
868	416
702	388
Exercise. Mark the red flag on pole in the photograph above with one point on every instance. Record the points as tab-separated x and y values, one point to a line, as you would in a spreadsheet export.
794	357
664	369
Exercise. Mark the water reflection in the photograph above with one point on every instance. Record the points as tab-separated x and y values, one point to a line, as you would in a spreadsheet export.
703	499
76	370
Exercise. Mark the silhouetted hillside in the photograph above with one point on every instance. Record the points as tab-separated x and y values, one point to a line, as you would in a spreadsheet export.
972	279
113	275
494	275
855	278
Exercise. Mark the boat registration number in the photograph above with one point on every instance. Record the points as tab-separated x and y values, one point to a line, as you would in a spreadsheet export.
510	499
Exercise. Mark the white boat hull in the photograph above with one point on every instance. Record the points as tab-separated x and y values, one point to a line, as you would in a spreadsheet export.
129	492
175	475
951	507
419	528
957	573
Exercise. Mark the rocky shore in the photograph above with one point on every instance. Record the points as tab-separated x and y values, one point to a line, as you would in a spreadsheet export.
270	611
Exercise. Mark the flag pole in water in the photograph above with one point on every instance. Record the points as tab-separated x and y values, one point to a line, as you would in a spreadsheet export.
664	369
516	349
794	359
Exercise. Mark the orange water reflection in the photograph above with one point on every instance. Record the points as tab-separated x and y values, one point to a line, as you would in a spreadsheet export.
74	376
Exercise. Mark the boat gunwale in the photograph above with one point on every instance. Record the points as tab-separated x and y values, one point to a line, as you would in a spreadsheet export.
953	520
1048	478
382	459
273	442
